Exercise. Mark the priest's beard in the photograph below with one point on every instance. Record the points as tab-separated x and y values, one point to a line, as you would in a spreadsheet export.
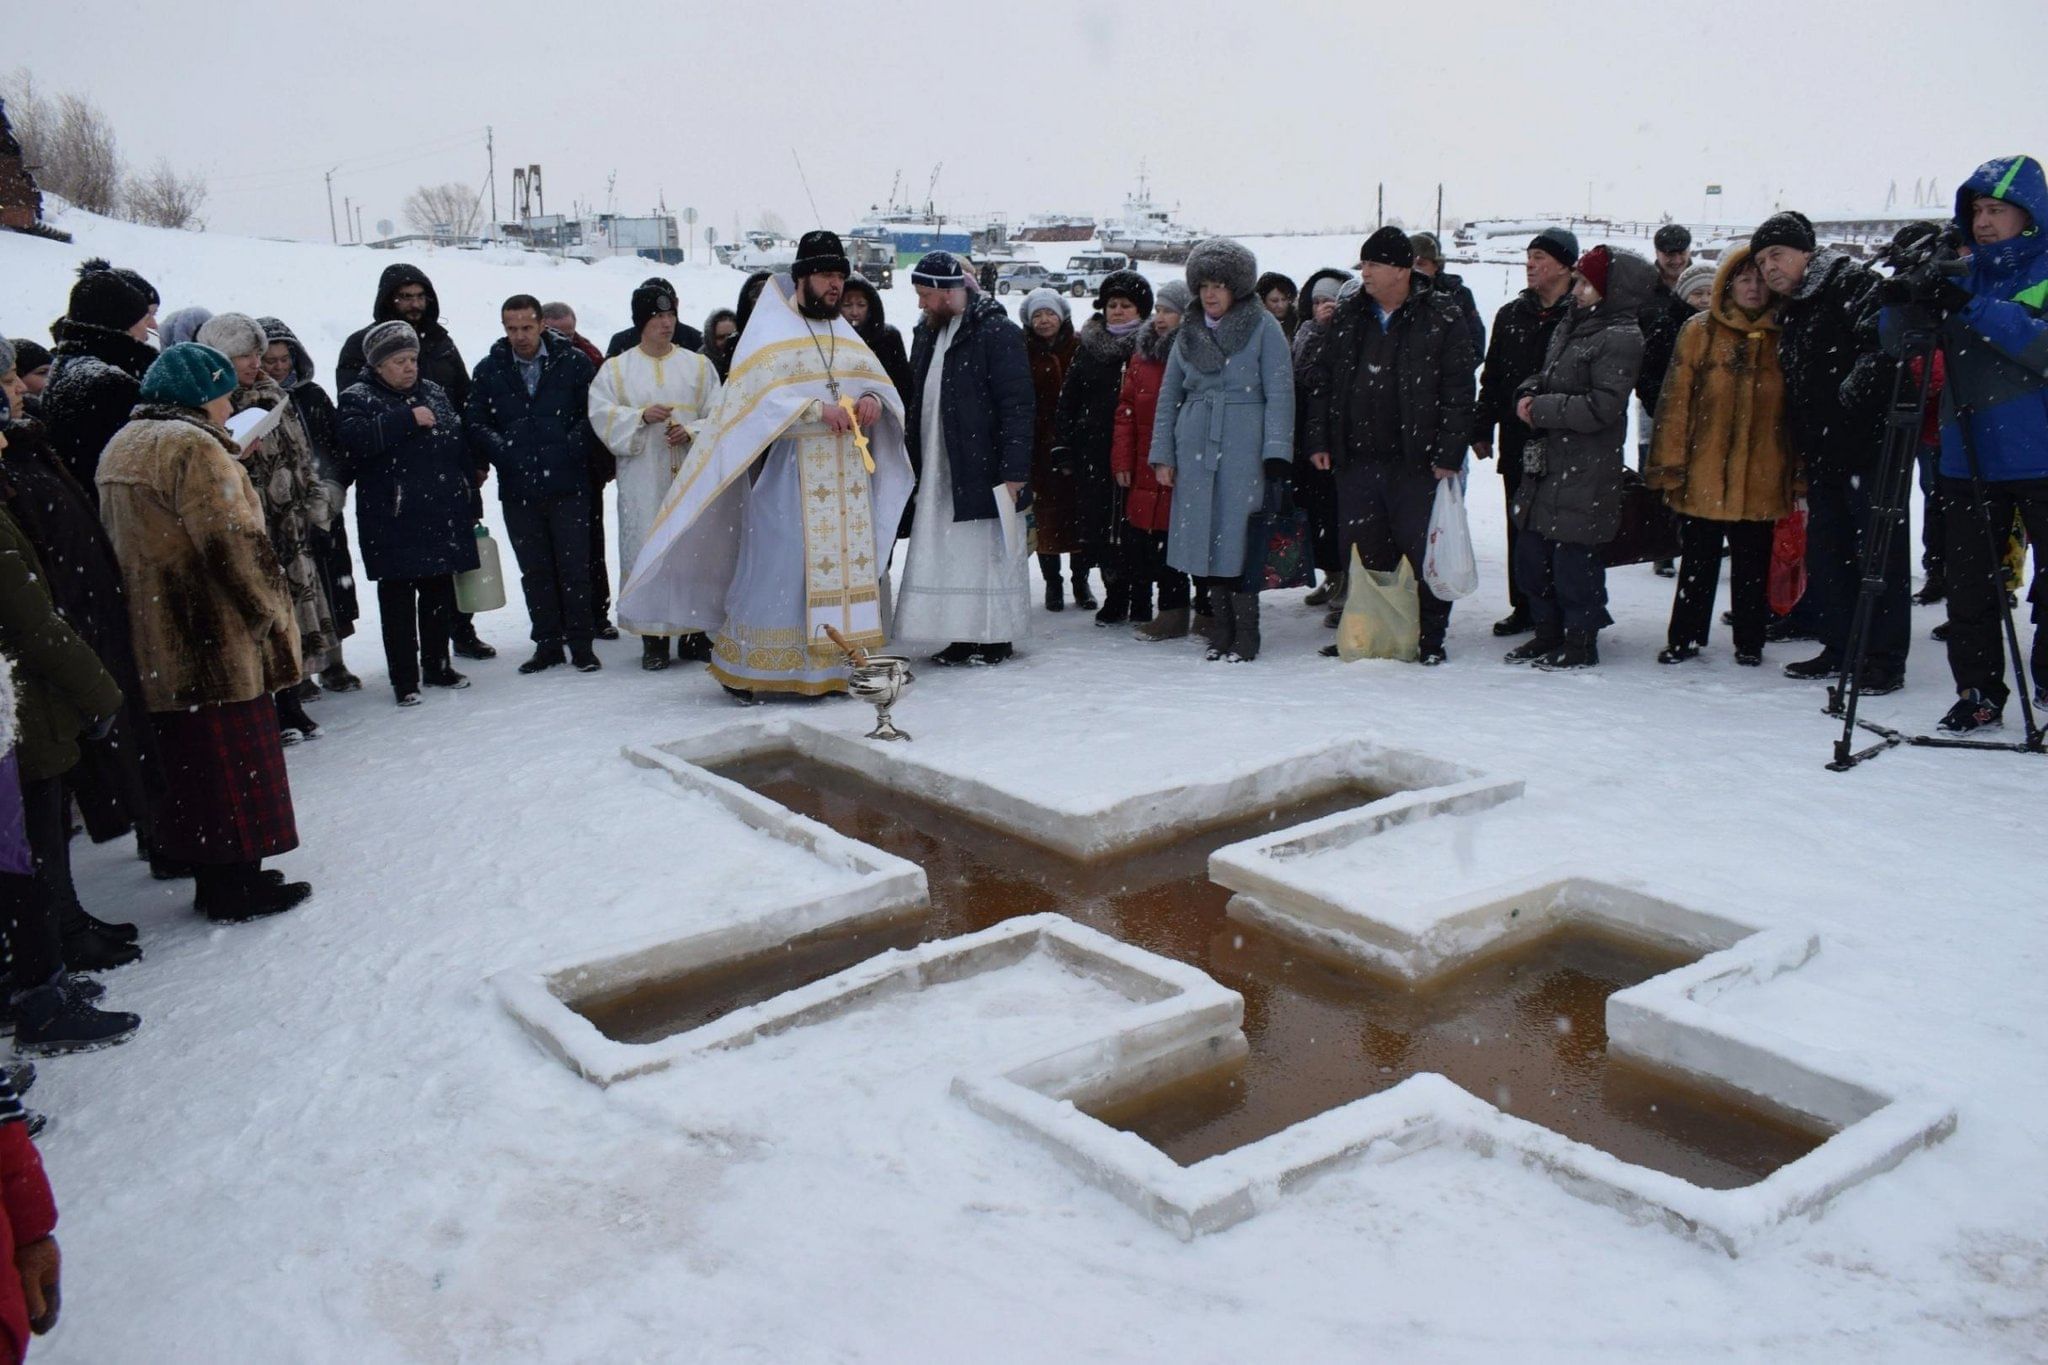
813	307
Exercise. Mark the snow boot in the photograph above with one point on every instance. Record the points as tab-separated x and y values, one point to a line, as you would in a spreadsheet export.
959	652
1677	654
1823	665
1168	625
653	653
1222	626
337	678
1516	622
1973	711
1083	597
544	657
584	657
88	950
989	655
76	916
1581	649
292	717
1116	602
1540	646
239	892
307	690
1244	626
441	673
693	648
50	1021
470	645
1933	590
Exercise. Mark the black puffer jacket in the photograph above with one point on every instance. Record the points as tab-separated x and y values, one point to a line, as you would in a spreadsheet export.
1521	338
95	382
987	405
1580	412
540	444
1827	348
1435	359
413	491
1454	288
440	361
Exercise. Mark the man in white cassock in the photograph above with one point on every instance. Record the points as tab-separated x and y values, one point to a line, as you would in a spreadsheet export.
782	517
643	405
964	577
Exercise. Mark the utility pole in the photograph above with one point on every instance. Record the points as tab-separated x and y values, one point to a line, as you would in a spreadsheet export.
1380	220
359	223
348	216
331	230
491	155
1439	210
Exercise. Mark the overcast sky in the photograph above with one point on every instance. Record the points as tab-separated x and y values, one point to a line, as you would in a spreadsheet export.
1252	115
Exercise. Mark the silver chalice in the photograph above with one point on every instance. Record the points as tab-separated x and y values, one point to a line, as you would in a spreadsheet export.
879	679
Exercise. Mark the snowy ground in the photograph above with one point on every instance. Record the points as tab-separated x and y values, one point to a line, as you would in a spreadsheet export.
329	1143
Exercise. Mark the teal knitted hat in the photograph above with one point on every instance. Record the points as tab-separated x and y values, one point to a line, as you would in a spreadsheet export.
188	375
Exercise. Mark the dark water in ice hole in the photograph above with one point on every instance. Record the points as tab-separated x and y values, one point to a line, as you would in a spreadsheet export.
1525	1030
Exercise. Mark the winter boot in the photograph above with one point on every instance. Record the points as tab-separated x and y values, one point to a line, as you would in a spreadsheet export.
307	690
291	716
441	673
1934	589
239	892
1516	622
1322	593
88	950
1678	654
959	652
1083	598
337	678
544	657
605	630
584	657
1222	633
1973	711
653	653
1823	665
1116	603
740	696
1055	594
469	644
693	648
1169	625
1540	646
989	655
75	916
21	1077
1244	623
50	1021
1581	649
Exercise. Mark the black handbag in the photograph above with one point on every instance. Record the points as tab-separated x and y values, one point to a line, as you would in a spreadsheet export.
1649	528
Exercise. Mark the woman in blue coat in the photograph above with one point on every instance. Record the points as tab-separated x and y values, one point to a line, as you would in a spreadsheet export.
1225	425
414	522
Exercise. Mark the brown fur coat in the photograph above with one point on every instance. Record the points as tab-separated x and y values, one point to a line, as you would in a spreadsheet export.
1720	449
212	616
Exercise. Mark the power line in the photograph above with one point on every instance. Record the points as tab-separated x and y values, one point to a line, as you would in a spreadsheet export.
360	161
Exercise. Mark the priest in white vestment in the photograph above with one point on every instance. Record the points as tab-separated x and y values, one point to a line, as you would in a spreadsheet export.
781	520
964	580
643	405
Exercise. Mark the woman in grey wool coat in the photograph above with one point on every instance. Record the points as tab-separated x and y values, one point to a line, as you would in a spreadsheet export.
1225	425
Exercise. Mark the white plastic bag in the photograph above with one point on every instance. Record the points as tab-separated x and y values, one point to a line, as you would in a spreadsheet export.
1447	565
1382	615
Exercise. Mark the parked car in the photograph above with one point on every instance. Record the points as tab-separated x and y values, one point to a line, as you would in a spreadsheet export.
874	259
1021	277
1084	274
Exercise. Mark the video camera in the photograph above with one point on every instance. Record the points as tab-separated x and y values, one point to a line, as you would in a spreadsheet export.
1928	266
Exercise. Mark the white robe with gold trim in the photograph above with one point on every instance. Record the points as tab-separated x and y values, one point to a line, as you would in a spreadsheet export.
625	385
770	555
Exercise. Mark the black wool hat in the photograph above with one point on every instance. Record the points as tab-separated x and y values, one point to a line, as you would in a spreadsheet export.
1784	229
29	356
649	300
1560	244
1673	237
1388	246
1126	284
104	298
820	251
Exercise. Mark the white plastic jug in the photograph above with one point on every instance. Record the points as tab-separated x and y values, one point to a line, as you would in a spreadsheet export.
481	588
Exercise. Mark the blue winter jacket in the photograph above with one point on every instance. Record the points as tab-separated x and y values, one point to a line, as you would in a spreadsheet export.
988	406
1996	348
540	444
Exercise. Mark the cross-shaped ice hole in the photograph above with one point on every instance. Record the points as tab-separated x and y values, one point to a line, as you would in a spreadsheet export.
1524	1031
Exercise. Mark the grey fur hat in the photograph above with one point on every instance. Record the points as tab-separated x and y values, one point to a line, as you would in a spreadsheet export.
1174	296
1045	298
233	334
7	361
182	325
388	339
1220	260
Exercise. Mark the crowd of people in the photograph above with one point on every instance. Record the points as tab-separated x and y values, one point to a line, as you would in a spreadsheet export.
178	575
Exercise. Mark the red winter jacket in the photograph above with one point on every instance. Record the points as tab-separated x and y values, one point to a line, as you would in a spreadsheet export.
1150	505
31	1216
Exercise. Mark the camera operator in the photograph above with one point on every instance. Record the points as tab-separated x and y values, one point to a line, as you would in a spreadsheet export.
1994	340
1835	381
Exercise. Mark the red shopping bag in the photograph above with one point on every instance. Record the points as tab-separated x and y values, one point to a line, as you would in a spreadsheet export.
1788	562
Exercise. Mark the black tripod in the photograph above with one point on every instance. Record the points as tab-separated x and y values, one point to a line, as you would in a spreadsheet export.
1903	421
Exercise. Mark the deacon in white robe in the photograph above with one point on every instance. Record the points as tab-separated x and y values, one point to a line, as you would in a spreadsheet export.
964	576
782	517
643	405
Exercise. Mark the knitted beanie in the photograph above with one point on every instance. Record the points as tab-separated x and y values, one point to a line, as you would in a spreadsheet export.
1388	246
1044	298
188	376
939	270
1174	296
1593	267
1560	244
1784	229
7	357
29	356
1324	288
233	335
388	339
649	300
1692	277
104	299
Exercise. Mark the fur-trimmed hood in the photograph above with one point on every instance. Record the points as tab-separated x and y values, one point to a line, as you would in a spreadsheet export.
1723	307
275	331
1101	345
397	277
118	349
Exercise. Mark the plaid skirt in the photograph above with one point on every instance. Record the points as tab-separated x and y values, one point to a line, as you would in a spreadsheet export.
227	799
